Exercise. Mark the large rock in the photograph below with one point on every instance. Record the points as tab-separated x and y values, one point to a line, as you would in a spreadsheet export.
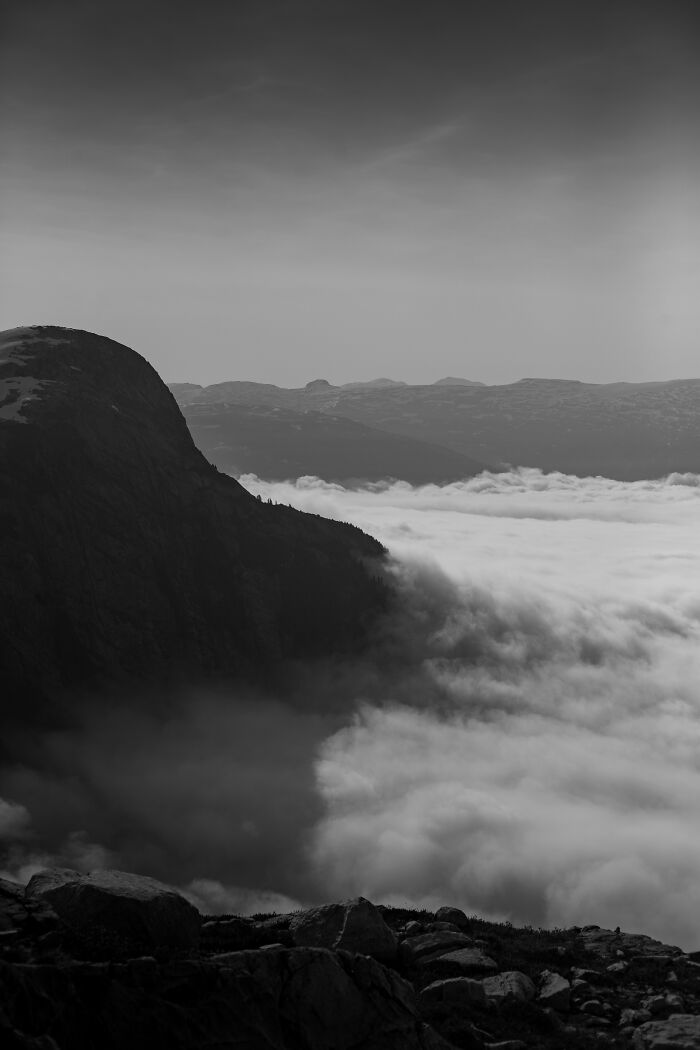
145	563
353	926
454	915
554	991
290	999
454	990
680	1032
126	911
464	960
509	986
428	945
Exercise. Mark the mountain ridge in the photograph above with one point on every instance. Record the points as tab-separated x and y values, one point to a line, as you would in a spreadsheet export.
626	431
129	556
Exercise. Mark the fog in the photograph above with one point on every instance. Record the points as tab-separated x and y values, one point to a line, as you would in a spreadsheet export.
521	740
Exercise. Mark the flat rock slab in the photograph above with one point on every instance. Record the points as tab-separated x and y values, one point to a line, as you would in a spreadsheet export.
679	1032
125	910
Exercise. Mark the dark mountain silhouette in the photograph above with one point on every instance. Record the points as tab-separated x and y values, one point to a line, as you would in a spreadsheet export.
280	443
628	431
127	555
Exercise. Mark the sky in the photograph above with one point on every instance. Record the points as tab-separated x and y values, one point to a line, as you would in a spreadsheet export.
521	739
280	190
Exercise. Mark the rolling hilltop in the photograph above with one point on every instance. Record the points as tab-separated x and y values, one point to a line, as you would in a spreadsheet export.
128	557
627	431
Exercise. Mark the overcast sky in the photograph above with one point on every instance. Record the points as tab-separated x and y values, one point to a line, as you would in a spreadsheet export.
271	190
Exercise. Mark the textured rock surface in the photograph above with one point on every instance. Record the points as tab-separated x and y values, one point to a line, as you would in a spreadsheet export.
354	926
57	994
292	999
554	991
466	960
436	942
454	915
680	1032
454	990
126	555
137	912
510	985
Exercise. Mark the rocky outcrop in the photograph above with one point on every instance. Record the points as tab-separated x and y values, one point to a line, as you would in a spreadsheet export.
291	999
354	926
131	912
128	557
244	986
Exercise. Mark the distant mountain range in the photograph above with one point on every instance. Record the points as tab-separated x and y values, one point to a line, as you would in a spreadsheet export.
126	556
627	431
280	443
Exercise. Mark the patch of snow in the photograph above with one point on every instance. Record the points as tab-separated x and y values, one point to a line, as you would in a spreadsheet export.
16	392
15	343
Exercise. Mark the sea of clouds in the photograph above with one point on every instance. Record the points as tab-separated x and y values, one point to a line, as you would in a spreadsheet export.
522	740
559	781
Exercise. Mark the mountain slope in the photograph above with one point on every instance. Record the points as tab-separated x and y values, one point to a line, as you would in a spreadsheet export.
628	431
279	443
126	555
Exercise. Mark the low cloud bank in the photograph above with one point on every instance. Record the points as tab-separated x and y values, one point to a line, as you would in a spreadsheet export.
549	773
522	739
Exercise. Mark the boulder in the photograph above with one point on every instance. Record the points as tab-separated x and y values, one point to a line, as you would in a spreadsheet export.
511	985
353	926
123	911
454	915
554	991
454	990
465	960
680	1032
428	945
291	999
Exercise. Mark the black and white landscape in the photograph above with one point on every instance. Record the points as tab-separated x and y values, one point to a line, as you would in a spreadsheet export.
349	525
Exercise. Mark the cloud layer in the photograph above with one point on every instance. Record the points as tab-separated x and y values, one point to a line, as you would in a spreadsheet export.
522	740
551	772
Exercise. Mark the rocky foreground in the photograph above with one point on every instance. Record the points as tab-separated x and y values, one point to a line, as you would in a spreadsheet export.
111	960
